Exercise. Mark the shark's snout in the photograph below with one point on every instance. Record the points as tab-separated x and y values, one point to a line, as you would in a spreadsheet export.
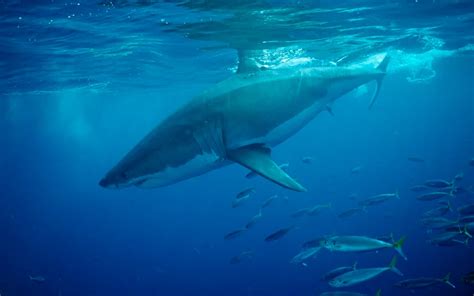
109	181
116	179
104	183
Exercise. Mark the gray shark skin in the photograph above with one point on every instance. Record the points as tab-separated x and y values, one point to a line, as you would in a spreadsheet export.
239	120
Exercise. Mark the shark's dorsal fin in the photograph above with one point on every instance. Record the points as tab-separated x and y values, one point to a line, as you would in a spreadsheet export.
258	159
246	63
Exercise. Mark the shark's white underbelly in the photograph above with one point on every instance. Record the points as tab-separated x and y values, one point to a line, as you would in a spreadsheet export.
289	127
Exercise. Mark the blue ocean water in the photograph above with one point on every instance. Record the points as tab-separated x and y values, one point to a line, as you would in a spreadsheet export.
83	81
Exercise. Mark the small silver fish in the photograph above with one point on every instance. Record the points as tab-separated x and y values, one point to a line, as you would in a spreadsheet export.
242	196
438	183
466	210
254	220
468	229
416	159
361	244
420	283
345	293
268	201
459	176
245	255
245	193
468	279
450	242
317	209
338	271
439	211
419	188
434	195
234	234
37	279
466	219
437	222
238	202
351	212
444	238
362	275
305	254
278	234
378	199
300	213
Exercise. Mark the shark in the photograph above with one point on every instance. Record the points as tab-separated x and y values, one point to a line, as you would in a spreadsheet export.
240	120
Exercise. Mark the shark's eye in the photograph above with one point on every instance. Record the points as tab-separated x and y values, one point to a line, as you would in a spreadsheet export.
123	175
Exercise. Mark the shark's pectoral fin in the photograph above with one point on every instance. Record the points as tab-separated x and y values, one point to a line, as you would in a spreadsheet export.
258	159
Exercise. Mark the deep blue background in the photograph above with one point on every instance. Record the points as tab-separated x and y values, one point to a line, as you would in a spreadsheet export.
56	221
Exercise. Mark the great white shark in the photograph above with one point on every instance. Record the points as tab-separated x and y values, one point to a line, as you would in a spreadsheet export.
240	120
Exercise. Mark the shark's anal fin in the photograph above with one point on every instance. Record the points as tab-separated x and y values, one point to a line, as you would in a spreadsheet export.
258	159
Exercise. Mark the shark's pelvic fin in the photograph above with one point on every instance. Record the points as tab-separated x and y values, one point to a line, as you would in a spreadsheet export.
258	159
382	68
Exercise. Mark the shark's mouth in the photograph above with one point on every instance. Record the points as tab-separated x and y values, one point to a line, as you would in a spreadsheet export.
106	183
199	165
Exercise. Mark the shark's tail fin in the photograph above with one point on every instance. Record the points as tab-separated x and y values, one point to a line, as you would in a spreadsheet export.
447	282
393	266
382	68
465	242
398	247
